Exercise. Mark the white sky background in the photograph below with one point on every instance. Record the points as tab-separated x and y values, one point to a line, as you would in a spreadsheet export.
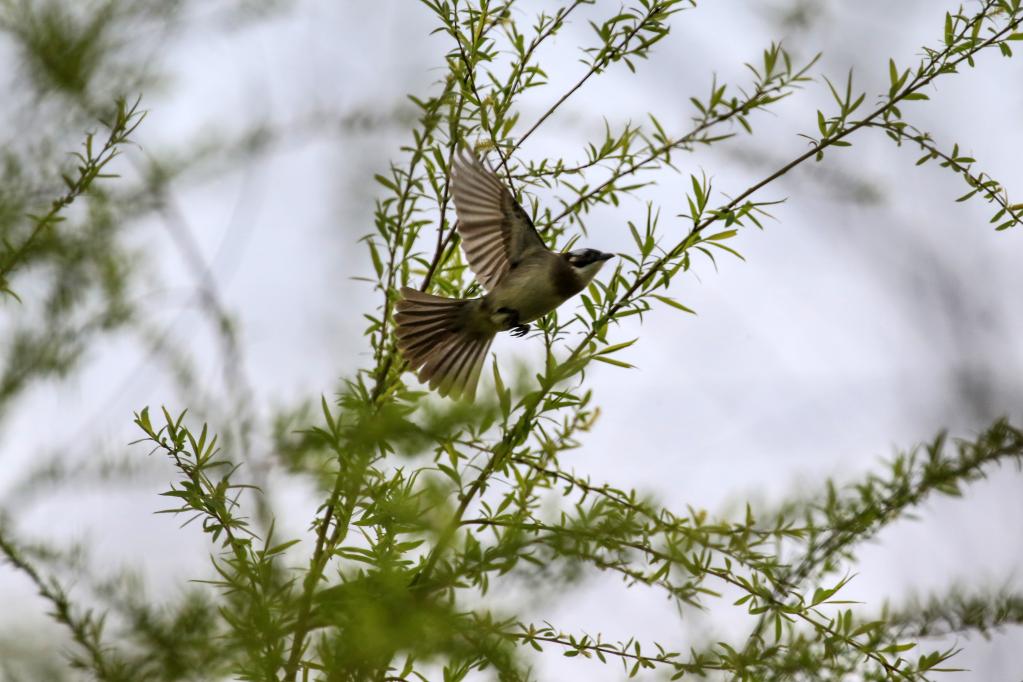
851	329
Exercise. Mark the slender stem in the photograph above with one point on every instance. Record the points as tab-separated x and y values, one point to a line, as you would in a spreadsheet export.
84	630
470	80
126	121
680	143
321	556
420	580
581	644
445	199
992	192
520	67
404	209
316	566
597	66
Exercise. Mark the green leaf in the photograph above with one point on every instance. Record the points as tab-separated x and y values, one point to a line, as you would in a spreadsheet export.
899	648
673	303
615	348
612	361
386	183
281	548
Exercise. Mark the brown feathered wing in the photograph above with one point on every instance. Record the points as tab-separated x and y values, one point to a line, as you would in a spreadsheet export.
495	231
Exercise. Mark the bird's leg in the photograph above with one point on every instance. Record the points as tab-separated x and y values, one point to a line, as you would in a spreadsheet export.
514	328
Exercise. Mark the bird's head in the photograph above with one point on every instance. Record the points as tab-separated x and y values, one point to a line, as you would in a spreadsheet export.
586	262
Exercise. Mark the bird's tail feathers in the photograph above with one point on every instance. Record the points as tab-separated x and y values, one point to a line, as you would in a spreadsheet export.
433	338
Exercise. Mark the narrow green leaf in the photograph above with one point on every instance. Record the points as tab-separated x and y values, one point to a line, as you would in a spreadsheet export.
673	303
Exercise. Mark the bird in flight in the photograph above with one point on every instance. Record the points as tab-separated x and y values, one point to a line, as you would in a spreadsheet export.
445	340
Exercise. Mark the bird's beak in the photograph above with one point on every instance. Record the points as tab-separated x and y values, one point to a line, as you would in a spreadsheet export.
605	256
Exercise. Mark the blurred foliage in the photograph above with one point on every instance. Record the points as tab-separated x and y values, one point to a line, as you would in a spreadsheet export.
438	521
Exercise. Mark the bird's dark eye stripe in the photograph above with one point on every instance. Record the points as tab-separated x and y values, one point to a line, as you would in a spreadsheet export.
584	258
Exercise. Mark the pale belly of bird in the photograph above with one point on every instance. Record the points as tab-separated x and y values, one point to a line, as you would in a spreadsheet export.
531	291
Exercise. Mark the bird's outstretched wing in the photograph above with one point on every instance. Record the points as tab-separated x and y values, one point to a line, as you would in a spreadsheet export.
495	231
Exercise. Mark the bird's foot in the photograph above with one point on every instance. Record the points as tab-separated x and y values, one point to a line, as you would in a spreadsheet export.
512	324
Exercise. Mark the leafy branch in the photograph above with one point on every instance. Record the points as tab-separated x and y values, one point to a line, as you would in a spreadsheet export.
980	183
91	162
649	24
260	599
957	612
775	81
630	652
86	629
338	512
832	525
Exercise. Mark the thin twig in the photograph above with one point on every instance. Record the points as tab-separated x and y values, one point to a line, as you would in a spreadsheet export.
84	630
597	66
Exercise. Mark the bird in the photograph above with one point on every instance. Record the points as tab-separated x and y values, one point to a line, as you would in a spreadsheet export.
445	340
